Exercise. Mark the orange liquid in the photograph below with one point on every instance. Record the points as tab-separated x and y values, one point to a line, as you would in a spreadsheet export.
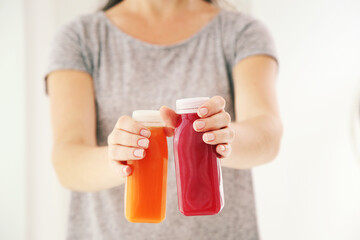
145	199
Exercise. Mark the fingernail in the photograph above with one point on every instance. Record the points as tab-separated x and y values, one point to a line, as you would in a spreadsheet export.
144	142
199	125
203	111
209	137
126	170
222	148
145	133
139	153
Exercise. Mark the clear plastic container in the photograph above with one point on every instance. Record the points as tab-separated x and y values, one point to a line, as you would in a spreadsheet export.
198	170
145	191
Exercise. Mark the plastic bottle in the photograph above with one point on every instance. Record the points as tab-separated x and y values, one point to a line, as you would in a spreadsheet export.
145	191
198	171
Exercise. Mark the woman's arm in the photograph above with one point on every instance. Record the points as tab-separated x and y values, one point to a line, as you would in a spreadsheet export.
258	129
254	138
80	164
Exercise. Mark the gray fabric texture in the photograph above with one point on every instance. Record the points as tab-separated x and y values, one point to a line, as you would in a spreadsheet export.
130	74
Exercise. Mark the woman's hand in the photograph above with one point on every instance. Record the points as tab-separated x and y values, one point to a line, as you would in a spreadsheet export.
214	122
127	141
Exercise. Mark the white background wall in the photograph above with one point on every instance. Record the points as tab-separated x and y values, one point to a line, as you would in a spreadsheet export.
312	191
12	105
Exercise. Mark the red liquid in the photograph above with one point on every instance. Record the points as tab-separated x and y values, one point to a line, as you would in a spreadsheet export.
198	171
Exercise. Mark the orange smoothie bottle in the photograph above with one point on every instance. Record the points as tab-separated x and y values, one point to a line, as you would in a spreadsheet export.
145	189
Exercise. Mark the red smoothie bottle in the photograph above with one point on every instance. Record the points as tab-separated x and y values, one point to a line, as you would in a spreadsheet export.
198	171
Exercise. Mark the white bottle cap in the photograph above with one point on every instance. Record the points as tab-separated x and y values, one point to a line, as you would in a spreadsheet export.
148	117
189	105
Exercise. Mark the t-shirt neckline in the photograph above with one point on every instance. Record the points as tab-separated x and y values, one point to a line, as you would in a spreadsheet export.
204	28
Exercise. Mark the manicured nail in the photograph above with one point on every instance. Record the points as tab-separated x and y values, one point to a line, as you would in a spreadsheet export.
199	124
145	133
222	148
203	111
126	170
139	153
209	137
144	142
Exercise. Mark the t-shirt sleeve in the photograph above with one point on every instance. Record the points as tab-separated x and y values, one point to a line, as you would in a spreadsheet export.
68	50
255	39
252	38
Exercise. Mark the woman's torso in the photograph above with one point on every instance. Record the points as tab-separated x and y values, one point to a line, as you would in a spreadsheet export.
129	75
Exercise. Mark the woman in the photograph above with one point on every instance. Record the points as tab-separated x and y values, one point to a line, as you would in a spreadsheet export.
140	54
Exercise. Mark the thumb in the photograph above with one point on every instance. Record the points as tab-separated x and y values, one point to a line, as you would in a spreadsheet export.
170	119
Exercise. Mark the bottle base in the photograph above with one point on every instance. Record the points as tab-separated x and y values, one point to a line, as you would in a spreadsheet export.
144	220
200	213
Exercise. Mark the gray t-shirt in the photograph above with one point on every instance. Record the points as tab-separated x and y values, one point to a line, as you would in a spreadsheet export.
130	74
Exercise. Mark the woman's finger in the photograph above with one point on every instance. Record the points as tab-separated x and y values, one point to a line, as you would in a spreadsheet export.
169	116
170	119
214	122
225	135
223	150
169	132
120	137
128	124
122	153
212	106
121	169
